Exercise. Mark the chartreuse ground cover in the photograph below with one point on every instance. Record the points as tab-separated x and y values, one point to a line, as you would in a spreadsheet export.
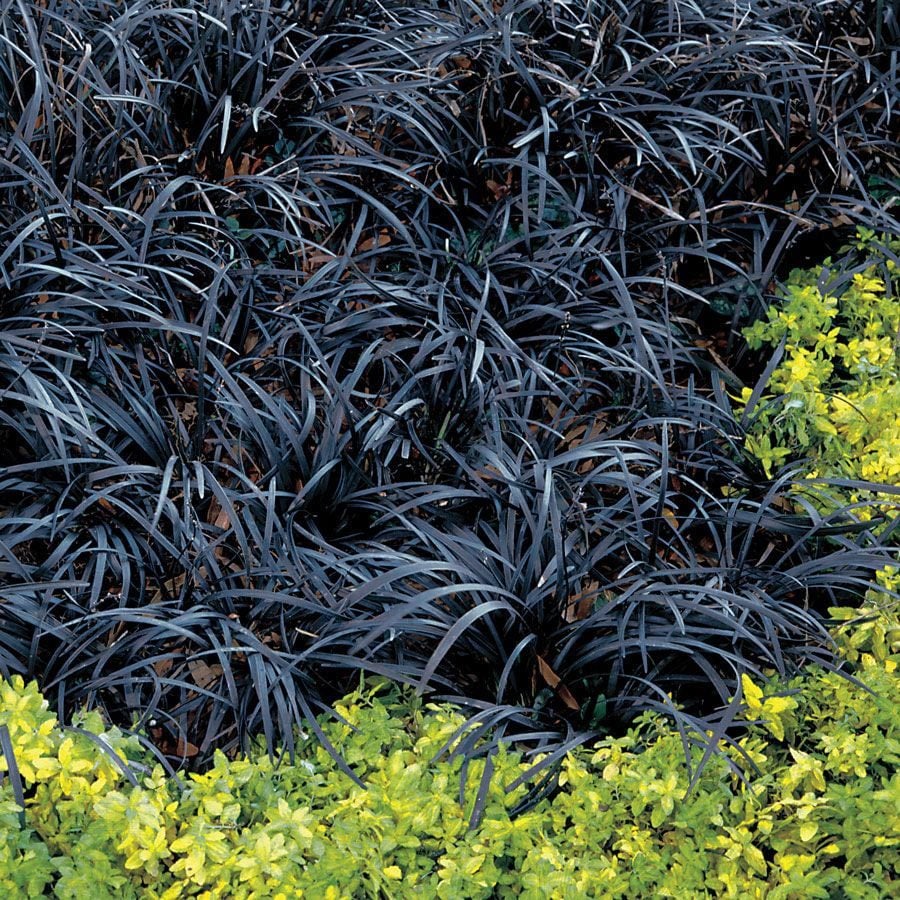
820	816
833	401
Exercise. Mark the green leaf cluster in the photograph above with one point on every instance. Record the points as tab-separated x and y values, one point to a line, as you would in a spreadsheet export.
834	399
820	819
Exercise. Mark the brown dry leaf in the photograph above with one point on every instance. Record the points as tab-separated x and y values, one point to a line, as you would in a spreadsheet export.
554	681
229	169
188	378
185	749
313	261
581	604
203	674
547	673
494	187
669	516
577	436
219	518
188	413
766	553
370	243
783	503
497	189
222	520
162	667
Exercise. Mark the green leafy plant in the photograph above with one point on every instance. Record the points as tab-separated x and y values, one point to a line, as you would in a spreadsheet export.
834	399
820	818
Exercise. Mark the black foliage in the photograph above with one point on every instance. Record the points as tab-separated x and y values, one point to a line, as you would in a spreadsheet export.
354	336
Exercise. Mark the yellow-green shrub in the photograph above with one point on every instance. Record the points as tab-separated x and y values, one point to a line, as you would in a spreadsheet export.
834	399
821	819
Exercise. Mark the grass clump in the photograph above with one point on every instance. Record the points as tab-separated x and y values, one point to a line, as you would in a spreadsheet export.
356	337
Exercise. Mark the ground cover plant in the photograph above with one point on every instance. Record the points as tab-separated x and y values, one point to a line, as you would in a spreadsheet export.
833	401
395	339
820	819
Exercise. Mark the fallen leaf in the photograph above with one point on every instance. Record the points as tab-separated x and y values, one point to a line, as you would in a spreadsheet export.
554	681
163	666
370	243
204	675
185	749
581	605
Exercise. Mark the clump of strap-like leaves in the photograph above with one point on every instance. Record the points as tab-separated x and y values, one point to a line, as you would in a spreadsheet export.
354	336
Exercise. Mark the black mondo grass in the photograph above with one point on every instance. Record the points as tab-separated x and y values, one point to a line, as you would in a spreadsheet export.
374	338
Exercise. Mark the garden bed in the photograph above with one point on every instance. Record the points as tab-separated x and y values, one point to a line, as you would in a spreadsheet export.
538	359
